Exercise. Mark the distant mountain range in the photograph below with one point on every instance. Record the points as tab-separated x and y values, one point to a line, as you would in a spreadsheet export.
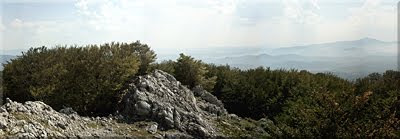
6	55
4	59
346	67
361	47
347	59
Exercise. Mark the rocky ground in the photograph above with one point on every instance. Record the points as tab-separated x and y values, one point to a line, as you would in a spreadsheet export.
154	105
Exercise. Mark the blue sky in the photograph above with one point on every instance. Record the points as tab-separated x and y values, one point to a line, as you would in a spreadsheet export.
194	23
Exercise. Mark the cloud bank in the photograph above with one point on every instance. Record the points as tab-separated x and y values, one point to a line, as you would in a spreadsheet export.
207	23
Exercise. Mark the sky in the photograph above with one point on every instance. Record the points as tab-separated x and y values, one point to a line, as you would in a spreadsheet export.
194	23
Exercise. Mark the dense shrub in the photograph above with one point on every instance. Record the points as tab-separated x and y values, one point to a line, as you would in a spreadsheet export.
304	104
188	71
84	78
262	92
167	66
192	72
373	111
146	56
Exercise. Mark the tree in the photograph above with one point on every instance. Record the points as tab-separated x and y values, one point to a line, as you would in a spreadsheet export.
192	72
167	66
85	78
146	56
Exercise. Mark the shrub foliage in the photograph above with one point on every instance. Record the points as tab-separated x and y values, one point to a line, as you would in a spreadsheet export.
188	71
85	78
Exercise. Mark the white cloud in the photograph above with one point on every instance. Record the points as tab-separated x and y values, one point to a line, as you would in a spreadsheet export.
19	24
368	11
82	6
2	29
306	25
2	26
375	19
163	23
315	4
294	11
25	34
35	1
183	23
224	6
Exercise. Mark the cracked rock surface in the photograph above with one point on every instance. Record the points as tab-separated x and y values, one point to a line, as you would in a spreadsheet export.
38	120
161	98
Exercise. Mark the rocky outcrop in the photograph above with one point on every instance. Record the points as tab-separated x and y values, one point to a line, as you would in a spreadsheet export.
153	106
161	98
38	120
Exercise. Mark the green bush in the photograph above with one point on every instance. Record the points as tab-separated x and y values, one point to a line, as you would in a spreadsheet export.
192	72
307	105
188	71
167	66
85	78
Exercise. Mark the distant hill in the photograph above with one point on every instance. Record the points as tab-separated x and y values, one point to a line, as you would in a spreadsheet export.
361	47
4	59
347	59
346	67
6	55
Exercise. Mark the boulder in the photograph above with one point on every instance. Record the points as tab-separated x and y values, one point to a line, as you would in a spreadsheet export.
161	98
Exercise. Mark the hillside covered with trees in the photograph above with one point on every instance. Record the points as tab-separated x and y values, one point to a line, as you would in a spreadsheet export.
287	103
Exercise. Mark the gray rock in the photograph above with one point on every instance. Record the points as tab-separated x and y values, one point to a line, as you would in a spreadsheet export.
38	120
62	126
2	110
161	98
3	123
68	111
207	96
142	108
152	128
177	135
8	100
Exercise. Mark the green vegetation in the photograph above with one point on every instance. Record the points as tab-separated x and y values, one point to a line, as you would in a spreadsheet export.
188	71
85	78
192	72
303	104
243	128
286	103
